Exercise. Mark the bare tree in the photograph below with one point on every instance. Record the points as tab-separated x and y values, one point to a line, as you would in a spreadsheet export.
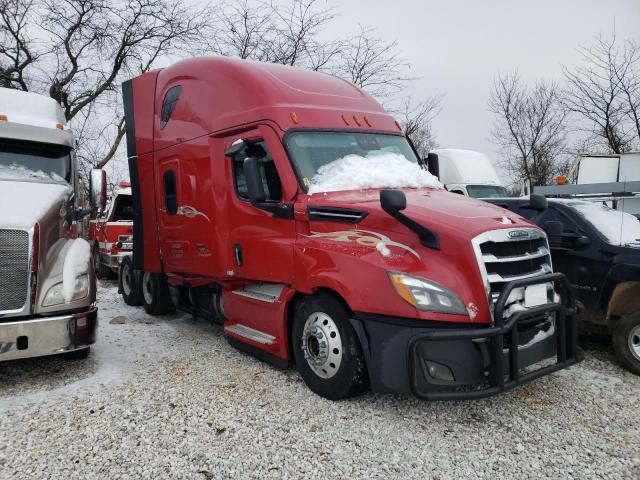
368	61
628	73
273	32
87	46
530	128
16	47
603	92
416	121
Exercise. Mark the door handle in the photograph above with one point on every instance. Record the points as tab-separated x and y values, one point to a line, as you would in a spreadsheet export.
237	252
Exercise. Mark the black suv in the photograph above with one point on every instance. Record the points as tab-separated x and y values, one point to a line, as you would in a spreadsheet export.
598	249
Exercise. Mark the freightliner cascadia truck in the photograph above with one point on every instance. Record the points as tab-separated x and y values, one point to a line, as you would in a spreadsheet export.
288	206
47	283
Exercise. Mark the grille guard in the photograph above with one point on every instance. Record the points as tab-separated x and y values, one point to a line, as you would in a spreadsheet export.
567	351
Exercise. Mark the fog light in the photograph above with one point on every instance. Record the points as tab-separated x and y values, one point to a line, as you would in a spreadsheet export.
439	371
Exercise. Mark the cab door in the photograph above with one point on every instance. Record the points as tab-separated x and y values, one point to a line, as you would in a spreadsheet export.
260	245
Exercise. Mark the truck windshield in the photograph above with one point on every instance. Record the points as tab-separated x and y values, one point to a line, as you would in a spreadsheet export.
330	161
32	160
487	191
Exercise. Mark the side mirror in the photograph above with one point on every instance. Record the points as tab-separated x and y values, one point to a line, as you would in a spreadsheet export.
433	164
394	200
538	202
252	175
98	190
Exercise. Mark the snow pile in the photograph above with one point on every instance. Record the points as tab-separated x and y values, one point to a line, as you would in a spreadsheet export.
19	172
620	228
75	264
381	170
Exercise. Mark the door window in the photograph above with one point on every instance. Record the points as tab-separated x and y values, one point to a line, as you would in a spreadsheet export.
268	172
169	104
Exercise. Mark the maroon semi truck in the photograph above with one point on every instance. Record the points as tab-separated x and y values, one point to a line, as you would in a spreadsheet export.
288	206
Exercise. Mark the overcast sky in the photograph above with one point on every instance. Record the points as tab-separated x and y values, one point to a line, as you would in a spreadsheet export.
457	47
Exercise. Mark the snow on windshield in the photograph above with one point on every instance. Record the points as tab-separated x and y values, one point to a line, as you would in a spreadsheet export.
18	172
376	170
620	228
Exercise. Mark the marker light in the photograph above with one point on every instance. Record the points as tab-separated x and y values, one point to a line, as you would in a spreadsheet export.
294	117
344	119
561	180
3	118
355	119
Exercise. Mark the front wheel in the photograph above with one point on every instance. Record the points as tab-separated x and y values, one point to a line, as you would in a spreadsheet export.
77	354
626	341
129	283
155	294
327	351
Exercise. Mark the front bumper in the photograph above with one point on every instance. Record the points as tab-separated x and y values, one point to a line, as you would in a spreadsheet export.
477	361
36	337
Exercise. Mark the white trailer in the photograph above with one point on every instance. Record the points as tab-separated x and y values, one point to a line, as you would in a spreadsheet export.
466	172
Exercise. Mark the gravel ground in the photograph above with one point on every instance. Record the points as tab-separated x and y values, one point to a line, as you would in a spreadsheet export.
166	397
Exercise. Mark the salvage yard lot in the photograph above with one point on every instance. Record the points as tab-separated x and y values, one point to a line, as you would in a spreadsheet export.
167	397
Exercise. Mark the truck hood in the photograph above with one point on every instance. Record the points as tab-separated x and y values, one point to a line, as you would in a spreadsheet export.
439	210
25	203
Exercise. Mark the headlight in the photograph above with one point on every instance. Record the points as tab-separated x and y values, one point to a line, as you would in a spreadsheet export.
57	295
426	295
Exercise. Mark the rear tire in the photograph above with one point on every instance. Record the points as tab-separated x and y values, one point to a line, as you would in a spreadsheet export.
326	349
77	354
102	271
129	283
155	294
626	341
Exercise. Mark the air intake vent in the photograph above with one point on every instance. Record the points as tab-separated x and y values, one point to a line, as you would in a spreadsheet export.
14	269
333	214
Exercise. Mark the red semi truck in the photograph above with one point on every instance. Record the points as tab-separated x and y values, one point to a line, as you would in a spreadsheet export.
111	235
258	203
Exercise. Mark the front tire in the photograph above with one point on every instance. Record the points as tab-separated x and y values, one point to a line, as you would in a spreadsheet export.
326	349
77	354
129	283
155	294
626	341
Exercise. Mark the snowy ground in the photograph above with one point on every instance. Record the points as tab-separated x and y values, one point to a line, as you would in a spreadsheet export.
164	397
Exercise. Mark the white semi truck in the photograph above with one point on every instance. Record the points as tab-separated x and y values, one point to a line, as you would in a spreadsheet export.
47	282
466	172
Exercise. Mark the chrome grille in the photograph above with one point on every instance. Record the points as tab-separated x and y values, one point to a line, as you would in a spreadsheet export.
14	269
504	256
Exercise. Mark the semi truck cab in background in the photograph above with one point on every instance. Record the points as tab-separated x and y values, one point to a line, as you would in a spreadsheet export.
466	172
288	206
47	283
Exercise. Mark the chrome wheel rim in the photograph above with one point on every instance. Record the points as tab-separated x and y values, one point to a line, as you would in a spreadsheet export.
126	281
322	345
634	342
146	288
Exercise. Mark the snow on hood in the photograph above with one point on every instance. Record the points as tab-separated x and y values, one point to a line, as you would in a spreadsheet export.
382	170
18	172
75	264
24	203
619	228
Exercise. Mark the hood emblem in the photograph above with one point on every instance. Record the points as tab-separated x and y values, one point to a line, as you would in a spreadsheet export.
518	234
